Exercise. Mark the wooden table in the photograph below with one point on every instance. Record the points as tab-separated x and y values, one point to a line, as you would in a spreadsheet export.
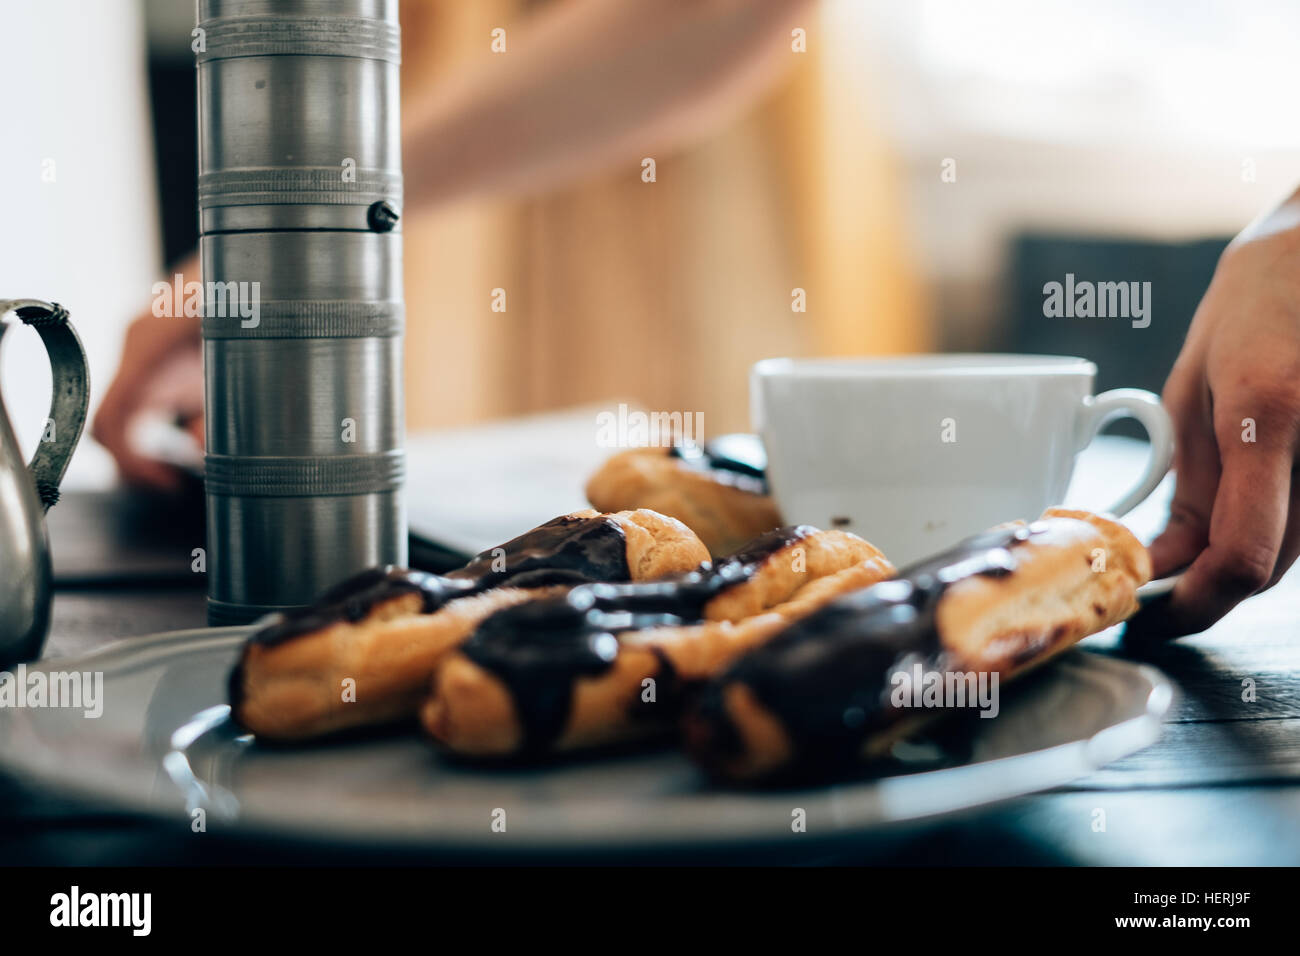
1221	787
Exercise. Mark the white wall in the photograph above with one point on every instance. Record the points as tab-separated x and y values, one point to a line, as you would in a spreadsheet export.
73	90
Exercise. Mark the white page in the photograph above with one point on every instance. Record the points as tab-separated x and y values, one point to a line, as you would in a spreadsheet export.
471	488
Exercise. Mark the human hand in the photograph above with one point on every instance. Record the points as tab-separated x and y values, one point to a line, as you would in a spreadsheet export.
160	372
1234	396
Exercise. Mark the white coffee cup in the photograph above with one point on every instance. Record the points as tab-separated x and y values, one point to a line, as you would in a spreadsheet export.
916	452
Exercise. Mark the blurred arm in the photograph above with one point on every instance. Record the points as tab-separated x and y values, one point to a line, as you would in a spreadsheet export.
588	83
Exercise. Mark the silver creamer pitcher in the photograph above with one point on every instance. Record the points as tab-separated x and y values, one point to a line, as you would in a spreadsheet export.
27	491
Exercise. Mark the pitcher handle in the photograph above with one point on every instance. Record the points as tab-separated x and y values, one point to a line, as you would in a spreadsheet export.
71	392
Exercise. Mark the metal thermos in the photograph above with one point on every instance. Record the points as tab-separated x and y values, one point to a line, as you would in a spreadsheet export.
300	185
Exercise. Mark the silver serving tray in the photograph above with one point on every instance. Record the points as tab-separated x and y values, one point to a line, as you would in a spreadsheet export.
164	746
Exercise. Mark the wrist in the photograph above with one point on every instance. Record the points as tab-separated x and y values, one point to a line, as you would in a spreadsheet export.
1282	222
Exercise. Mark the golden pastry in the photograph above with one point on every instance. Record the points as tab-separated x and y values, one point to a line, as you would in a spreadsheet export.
823	693
606	664
724	502
364	653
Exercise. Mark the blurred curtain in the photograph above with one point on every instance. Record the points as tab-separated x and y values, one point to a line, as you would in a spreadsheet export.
665	292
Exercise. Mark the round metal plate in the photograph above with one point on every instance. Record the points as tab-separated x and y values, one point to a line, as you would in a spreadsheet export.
164	745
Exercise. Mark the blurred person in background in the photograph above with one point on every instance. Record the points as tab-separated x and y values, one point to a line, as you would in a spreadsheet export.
667	291
523	172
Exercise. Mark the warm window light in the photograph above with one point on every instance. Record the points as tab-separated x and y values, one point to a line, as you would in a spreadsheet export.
1213	73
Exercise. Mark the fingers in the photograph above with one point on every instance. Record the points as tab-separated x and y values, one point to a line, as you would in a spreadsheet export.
1196	467
150	340
194	425
1247	523
1188	530
110	430
1290	549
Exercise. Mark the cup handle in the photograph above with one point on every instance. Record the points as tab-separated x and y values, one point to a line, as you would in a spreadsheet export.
1100	410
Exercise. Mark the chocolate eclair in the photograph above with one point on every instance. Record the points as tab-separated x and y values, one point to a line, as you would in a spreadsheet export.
608	663
364	652
718	492
822	693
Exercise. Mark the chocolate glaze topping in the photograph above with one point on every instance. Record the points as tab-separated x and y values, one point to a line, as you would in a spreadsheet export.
541	648
827	677
566	550
738	460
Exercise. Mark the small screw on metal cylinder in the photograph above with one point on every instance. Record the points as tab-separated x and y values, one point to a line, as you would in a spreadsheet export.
381	216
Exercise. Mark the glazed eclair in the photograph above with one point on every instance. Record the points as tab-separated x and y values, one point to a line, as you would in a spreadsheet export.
820	694
605	664
722	499
364	652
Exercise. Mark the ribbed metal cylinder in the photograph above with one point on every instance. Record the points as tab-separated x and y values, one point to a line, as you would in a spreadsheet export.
300	183
298	106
